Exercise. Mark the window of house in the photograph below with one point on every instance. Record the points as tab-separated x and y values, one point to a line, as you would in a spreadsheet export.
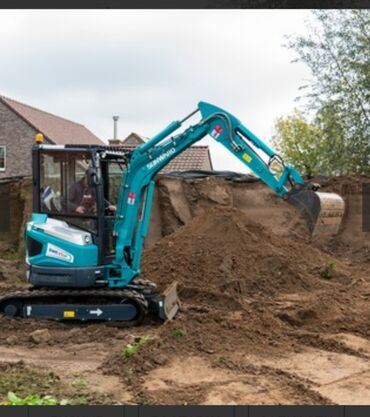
2	157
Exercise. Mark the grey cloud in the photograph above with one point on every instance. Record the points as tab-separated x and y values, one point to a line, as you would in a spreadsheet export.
150	67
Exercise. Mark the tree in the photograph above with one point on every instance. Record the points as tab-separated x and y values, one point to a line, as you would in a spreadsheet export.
300	142
337	51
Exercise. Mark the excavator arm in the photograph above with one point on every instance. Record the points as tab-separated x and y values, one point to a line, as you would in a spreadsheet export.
137	186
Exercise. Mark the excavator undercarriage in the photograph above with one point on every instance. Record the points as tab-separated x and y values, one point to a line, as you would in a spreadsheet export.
131	304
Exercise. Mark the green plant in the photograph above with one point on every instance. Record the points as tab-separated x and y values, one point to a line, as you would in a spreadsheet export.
179	332
132	348
81	400
79	382
218	360
327	272
13	399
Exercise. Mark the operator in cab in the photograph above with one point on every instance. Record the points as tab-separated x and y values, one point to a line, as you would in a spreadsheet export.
81	198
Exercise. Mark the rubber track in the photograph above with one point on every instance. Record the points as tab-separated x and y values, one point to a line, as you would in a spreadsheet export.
44	294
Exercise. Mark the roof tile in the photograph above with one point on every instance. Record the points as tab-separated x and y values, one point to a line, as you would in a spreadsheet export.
192	159
57	129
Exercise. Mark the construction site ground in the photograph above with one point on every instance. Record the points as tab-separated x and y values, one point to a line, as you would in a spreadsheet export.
268	315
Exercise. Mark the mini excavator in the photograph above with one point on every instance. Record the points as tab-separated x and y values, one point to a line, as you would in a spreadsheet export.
91	212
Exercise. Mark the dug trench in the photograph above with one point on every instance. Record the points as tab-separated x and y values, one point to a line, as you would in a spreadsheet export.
268	315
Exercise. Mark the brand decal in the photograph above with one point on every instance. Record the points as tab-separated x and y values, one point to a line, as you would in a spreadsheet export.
131	198
53	251
161	158
247	157
216	132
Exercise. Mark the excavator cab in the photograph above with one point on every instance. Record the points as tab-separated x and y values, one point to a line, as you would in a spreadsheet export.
71	245
66	189
75	191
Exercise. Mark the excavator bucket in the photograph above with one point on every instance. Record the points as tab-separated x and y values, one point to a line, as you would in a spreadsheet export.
323	211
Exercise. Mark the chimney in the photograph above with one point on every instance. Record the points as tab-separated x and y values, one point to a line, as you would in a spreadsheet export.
115	127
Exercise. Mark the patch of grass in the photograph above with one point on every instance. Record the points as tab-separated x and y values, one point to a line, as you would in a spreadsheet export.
33	399
79	383
20	384
179	332
327	272
25	381
81	400
132	348
218	360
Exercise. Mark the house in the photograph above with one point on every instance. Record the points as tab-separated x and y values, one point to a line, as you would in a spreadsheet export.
192	159
19	123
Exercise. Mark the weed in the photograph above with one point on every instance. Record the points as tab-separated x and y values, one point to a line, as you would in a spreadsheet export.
79	383
33	399
327	272
179	333
218	360
132	348
81	400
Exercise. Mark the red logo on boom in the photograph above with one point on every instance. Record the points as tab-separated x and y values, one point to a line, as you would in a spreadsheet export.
216	132
131	198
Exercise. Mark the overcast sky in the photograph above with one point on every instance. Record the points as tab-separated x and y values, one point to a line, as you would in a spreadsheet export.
152	67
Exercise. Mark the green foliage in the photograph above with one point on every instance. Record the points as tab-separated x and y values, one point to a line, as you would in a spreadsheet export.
179	332
218	360
132	348
328	270
337	51
13	399
79	383
300	142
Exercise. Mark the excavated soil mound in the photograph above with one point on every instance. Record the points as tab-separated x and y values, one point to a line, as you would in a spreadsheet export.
223	251
267	315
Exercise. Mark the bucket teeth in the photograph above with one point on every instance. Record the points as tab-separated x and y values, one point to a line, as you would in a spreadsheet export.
323	211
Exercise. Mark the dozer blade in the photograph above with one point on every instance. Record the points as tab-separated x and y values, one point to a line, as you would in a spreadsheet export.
168	303
323	211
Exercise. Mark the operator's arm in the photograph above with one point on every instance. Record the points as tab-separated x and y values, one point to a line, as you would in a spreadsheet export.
109	207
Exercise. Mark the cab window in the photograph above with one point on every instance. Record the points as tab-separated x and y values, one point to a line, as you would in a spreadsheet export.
64	187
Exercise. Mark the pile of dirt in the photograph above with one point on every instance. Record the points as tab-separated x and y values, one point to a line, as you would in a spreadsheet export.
223	251
246	293
180	200
268	315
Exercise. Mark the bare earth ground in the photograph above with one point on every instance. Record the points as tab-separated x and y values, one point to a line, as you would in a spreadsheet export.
267	317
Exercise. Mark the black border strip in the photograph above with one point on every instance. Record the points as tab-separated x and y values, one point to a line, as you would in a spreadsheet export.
186	411
185	4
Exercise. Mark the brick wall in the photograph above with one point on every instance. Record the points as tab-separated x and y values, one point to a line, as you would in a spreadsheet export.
18	137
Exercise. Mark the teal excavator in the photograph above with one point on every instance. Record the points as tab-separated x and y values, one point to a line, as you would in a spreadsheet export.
91	212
